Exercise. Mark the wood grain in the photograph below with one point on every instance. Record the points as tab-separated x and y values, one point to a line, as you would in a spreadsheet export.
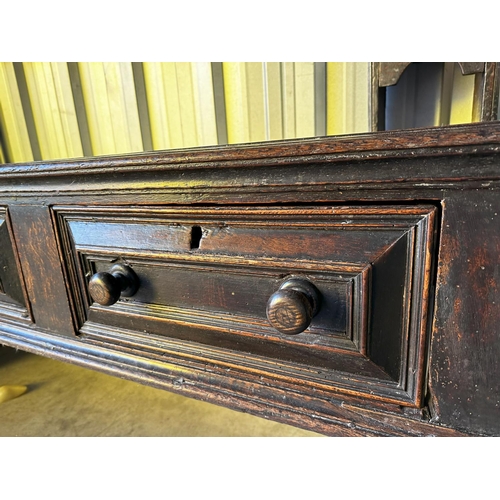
419	256
466	341
42	268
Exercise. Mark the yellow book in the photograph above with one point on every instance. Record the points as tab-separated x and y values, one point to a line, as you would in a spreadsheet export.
111	107
53	108
181	104
12	122
347	98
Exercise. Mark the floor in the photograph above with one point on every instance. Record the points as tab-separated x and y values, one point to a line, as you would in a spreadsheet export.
67	400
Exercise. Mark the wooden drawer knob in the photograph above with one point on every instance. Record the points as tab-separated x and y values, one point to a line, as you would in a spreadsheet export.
291	309
107	288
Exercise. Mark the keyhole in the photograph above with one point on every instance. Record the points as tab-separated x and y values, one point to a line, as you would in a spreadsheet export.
196	235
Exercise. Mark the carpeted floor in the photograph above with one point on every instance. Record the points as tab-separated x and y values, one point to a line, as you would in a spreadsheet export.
67	400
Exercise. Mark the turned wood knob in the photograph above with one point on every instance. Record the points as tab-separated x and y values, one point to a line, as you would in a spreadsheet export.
107	288
291	309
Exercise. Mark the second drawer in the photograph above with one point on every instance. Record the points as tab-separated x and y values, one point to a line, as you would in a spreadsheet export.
208	277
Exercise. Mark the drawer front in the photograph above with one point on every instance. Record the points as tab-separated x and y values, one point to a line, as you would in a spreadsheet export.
326	298
13	302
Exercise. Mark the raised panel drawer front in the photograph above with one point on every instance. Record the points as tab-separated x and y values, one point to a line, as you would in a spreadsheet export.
13	302
330	298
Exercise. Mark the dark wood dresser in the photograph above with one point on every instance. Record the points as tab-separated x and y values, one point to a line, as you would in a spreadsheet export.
347	285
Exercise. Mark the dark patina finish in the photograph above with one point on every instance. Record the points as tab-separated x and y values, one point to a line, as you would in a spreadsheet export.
399	232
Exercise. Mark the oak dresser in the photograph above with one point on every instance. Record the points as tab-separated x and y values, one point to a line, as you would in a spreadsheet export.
347	285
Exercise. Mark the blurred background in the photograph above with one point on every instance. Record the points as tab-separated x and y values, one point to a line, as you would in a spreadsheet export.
56	110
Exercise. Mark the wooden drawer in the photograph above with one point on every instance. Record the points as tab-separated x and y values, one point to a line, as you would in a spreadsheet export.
13	301
206	278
